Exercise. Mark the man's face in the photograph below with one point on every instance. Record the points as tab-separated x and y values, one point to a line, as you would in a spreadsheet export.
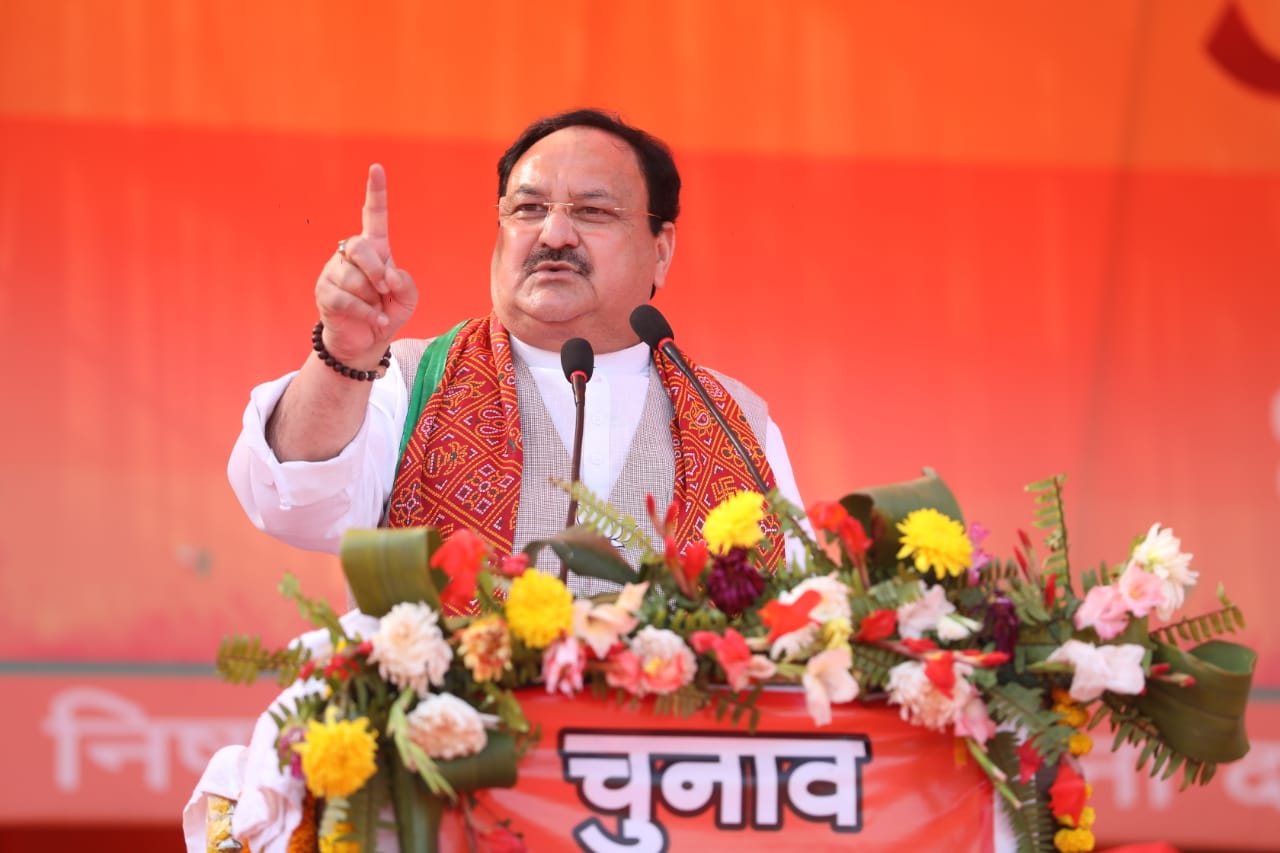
566	276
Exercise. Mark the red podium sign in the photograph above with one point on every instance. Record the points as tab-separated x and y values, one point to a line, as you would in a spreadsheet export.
606	777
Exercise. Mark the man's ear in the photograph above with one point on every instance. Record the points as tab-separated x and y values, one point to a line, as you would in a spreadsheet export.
665	249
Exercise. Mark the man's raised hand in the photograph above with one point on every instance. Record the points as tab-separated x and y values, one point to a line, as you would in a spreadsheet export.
362	296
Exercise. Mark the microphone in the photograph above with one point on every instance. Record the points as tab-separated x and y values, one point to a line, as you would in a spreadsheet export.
578	361
652	328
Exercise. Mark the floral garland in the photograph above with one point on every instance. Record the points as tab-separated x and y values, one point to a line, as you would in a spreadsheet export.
897	597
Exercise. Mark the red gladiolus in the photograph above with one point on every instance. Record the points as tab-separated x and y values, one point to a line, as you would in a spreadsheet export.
461	557
1029	761
827	515
691	564
940	669
920	645
1050	590
877	626
855	538
1067	795
782	618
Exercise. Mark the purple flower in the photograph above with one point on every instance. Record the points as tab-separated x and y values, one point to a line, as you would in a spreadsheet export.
977	535
733	583
293	733
1000	623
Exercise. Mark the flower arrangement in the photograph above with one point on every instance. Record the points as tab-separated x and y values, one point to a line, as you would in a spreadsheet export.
409	701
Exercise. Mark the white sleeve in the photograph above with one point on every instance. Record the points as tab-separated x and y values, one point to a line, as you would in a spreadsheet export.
310	504
775	450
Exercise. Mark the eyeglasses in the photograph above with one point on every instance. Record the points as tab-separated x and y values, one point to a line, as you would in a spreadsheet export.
533	214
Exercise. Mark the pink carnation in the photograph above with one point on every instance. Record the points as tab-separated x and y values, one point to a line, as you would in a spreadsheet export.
1104	610
562	666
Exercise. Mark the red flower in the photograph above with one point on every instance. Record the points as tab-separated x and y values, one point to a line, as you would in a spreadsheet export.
461	557
941	671
689	566
827	515
784	618
1067	794
1050	590
831	517
1029	761
877	626
920	645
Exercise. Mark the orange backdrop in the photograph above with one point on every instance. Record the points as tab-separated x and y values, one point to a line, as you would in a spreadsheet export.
997	238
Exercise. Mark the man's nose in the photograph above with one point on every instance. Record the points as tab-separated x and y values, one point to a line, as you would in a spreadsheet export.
558	229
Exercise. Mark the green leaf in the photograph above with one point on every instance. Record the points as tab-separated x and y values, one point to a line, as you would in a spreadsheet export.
385	567
589	554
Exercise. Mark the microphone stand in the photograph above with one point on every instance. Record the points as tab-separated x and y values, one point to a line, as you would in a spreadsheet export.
668	348
578	362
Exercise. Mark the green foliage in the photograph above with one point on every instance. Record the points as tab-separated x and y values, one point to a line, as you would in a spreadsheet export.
1048	515
683	702
1025	707
605	519
315	611
871	664
737	704
1030	819
242	658
1130	726
1198	629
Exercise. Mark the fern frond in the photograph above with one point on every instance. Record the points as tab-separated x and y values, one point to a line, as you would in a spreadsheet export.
605	519
1032	822
1049	516
871	665
684	702
241	659
1197	629
315	611
1024	707
1132	727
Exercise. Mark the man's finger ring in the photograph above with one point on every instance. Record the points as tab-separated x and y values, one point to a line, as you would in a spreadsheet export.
342	249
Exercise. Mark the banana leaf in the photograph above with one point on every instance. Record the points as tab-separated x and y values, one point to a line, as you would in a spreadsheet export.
880	508
1205	720
419	812
386	567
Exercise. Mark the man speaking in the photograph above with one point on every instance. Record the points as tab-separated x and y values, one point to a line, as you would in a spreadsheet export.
469	429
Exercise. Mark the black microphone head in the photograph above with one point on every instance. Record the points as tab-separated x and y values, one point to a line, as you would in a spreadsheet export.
576	356
649	324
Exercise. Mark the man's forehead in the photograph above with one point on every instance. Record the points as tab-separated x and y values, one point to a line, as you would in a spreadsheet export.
591	161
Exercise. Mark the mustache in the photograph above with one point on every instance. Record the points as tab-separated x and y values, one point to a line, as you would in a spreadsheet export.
563	255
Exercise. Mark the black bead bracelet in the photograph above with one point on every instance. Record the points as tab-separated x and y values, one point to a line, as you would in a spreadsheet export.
317	343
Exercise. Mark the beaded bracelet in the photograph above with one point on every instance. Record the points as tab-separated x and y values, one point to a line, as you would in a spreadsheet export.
317	342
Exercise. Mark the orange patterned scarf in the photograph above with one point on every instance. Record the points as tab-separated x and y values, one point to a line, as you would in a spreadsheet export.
463	460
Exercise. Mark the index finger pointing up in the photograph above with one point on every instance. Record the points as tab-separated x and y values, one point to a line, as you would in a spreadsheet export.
374	215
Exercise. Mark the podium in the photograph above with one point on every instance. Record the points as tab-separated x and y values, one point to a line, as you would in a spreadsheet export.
610	777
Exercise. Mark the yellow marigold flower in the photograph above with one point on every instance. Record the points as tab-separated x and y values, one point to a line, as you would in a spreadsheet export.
735	523
935	542
486	648
1080	744
539	609
337	755
835	632
1072	715
303	839
1087	817
331	844
1073	840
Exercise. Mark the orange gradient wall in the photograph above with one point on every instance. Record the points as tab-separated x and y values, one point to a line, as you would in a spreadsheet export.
1001	239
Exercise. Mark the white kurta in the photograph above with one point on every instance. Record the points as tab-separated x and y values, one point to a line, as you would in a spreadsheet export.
310	504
